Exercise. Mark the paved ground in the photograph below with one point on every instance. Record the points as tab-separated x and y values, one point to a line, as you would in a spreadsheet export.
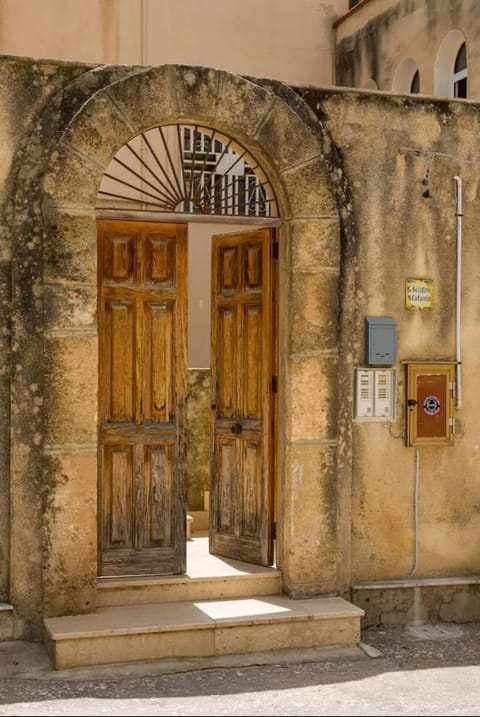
421	670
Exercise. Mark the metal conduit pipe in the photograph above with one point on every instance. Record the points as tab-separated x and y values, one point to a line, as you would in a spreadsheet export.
415	513
458	306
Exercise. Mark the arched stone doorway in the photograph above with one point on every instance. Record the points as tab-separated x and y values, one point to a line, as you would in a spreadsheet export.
280	132
171	428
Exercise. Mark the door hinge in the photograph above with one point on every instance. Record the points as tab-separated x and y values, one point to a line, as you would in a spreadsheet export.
274	384
275	249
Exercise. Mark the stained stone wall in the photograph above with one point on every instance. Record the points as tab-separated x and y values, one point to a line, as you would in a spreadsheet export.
199	437
351	172
400	157
49	438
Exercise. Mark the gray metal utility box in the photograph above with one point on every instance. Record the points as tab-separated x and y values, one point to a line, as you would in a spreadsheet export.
380	340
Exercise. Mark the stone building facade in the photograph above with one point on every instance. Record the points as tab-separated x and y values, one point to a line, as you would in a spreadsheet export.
274	38
399	46
368	506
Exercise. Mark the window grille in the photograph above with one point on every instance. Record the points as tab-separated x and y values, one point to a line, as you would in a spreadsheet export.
189	169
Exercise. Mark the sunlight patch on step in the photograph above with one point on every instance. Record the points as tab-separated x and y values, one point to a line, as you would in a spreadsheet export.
239	608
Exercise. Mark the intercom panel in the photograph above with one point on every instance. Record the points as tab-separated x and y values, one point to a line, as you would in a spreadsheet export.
375	393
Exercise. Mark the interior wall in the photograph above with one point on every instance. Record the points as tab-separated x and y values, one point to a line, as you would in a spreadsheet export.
199	277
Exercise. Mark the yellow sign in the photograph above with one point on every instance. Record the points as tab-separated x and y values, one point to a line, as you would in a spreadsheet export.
419	294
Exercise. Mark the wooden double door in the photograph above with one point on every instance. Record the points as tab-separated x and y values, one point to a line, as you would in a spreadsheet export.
142	289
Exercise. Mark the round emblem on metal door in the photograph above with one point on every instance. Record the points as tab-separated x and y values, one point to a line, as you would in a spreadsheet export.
431	405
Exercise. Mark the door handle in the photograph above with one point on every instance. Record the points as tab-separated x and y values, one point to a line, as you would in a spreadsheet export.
236	428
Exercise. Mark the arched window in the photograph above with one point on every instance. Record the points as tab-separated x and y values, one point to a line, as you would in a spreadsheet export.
450	75
415	83
460	73
189	169
407	77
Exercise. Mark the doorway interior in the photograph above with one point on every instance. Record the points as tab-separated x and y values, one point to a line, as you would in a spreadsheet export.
219	271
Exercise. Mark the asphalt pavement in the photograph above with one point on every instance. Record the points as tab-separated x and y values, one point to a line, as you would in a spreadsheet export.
415	670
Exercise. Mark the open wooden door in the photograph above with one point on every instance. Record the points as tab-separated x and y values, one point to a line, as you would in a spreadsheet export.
142	393
241	517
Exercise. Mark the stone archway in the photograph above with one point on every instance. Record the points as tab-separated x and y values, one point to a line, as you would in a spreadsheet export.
276	126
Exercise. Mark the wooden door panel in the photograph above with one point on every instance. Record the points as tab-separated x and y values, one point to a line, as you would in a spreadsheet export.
252	361
226	352
159	260
119	336
242	366
142	394
139	495
227	274
119	257
159	361
158	495
240	499
251	488
252	265
226	474
118	470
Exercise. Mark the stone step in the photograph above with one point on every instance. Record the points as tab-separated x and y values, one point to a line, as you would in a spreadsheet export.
128	591
200	629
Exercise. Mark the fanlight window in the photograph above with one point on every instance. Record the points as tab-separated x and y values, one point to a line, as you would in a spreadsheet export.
187	169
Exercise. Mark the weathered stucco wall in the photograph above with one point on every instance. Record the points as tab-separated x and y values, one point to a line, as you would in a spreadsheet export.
365	187
24	88
373	41
400	157
40	98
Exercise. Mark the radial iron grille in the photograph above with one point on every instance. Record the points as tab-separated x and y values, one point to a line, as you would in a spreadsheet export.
188	169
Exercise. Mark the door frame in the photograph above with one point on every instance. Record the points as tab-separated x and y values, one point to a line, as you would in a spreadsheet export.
250	223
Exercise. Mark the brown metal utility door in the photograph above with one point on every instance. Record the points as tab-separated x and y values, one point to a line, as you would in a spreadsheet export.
142	388
242	369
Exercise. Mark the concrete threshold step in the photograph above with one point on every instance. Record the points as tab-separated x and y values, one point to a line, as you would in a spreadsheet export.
141	590
200	629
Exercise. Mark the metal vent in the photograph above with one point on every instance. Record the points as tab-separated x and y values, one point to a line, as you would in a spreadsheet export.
187	169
